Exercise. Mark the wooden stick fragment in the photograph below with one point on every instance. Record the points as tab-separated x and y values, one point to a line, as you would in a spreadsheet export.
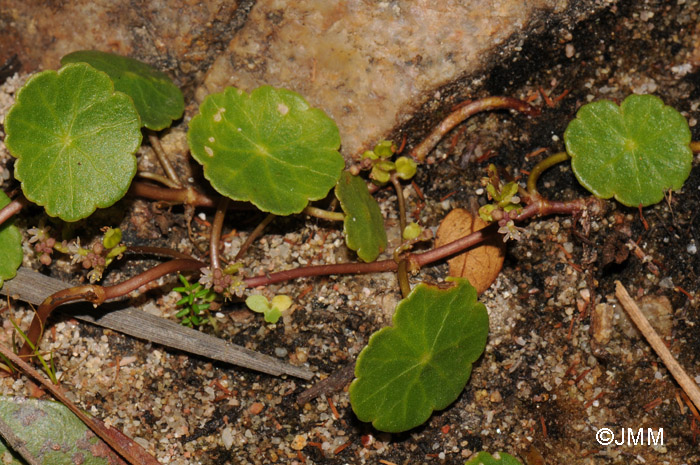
33	287
686	382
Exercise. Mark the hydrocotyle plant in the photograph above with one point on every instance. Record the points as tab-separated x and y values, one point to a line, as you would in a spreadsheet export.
272	149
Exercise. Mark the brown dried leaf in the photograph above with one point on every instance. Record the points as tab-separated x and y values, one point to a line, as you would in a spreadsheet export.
481	264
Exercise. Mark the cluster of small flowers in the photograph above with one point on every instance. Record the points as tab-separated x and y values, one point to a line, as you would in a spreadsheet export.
89	258
222	283
43	243
92	259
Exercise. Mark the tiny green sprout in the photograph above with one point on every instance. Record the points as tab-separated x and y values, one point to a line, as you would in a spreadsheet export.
485	212
379	176
369	154
196	300
271	310
112	238
504	197
405	168
384	149
412	231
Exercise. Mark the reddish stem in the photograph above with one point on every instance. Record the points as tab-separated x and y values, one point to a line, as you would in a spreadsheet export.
189	195
12	208
216	228
98	294
537	208
464	112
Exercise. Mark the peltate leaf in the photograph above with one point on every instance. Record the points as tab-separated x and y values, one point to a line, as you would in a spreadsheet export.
52	434
74	138
268	147
423	362
632	152
156	98
499	458
363	224
10	246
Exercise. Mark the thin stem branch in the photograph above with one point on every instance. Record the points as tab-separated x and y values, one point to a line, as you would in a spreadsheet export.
163	159
402	276
464	112
216	228
158	178
540	168
254	235
685	381
12	208
416	261
402	270
189	196
401	200
324	214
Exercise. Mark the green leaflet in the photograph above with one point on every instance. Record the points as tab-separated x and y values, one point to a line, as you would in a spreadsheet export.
632	152
156	98
74	138
363	224
423	362
268	147
10	246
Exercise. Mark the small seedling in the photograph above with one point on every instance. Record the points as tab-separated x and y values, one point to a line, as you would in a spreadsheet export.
196	301
272	310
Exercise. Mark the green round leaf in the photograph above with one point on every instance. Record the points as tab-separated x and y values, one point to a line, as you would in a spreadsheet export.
74	138
500	458
423	362
10	246
269	148
632	152
363	224
156	98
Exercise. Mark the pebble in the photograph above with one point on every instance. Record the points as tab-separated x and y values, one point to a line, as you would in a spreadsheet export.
299	442
227	437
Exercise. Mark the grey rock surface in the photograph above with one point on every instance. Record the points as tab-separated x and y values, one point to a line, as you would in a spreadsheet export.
371	64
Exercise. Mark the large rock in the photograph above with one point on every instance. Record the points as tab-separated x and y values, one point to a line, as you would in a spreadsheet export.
182	37
370	64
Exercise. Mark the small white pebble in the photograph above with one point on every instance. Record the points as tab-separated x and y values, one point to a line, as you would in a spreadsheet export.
227	437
